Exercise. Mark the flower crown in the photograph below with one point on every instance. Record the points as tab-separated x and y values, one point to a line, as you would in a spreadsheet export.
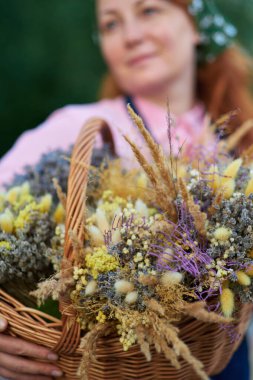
216	33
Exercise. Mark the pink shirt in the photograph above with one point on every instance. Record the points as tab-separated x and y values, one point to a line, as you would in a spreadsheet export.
62	127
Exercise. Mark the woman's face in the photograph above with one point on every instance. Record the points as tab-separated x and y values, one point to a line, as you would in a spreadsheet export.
146	43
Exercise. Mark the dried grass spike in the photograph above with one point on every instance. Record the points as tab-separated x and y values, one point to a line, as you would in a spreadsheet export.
88	344
45	290
143	162
156	152
170	354
144	345
163	196
61	195
169	334
153	305
78	247
184	192
198	311
153	146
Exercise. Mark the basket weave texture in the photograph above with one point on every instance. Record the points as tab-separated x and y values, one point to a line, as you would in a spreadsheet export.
209	342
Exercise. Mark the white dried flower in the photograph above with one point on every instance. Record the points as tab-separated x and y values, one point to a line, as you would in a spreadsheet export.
91	288
123	286
131	298
168	278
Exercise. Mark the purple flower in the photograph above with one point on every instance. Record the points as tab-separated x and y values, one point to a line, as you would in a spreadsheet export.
186	253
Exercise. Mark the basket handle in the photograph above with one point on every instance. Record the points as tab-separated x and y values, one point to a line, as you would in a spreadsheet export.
77	185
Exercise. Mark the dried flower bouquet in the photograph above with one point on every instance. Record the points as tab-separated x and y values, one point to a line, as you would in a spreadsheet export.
170	239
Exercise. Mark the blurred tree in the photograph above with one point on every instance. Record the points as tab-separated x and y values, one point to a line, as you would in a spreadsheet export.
240	12
48	58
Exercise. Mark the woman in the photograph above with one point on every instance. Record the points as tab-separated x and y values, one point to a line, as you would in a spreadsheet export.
151	48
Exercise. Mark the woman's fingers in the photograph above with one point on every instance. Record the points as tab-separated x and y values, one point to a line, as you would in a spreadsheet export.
16	346
14	362
21	365
17	359
3	324
16	376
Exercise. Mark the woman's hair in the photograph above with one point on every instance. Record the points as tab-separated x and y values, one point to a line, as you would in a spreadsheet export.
222	85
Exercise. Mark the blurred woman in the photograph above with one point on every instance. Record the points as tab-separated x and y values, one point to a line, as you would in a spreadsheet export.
179	53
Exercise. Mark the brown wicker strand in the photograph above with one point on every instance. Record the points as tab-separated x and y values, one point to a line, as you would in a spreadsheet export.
77	184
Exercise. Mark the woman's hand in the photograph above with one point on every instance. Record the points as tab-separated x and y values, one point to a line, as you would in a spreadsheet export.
22	360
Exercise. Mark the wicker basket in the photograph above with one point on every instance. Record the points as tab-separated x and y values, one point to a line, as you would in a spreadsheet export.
208	342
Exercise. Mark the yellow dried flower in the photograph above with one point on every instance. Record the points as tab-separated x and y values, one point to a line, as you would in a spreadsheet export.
59	214
25	189
108	195
142	181
5	244
83	280
24	196
213	177
227	180
101	317
249	271
45	203
100	261
138	257
7	222
13	194
24	215
249	188
227	302
126	331
228	188
243	278
2	200
222	233
232	169
111	203
24	199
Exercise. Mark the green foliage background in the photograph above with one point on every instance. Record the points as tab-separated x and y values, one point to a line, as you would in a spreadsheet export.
48	58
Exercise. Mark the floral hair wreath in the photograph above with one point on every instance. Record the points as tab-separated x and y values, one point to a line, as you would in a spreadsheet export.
216	33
